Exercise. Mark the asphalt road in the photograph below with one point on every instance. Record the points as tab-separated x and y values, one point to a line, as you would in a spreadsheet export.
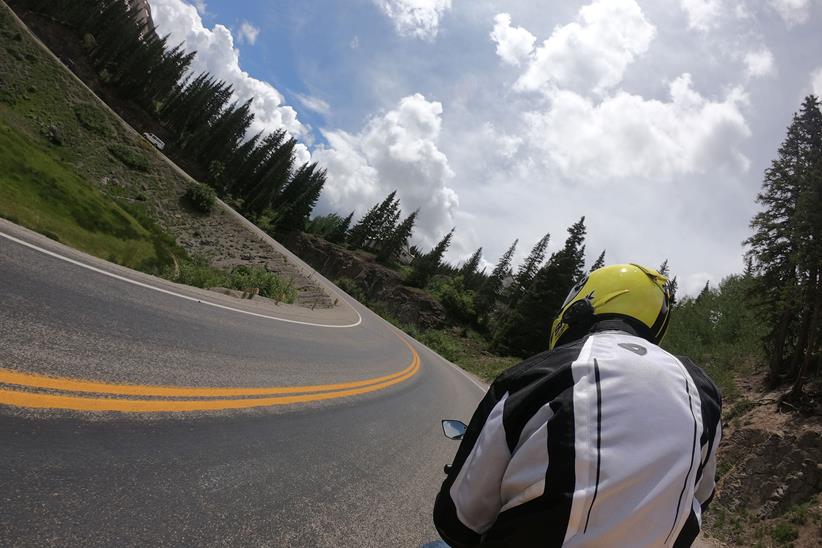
349	469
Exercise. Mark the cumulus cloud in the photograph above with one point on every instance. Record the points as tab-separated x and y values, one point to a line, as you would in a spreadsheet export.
588	129
627	135
248	33
396	150
514	44
592	53
703	15
816	82
793	12
417	18
216	54
759	63
314	104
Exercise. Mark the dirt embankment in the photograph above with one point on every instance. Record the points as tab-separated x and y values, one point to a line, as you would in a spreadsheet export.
377	284
769	488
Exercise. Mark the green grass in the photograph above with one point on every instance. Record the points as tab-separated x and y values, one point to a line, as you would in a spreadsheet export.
198	273
75	192
40	192
130	156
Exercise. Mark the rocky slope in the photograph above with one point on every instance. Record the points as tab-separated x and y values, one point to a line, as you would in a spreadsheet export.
770	474
376	283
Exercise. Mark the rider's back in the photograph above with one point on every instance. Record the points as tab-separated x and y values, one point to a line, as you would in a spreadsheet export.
601	442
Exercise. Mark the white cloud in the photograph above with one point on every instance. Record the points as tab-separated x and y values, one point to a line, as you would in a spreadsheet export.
248	33
592	53
759	63
793	12
396	150
216	54
417	18
355	42
816	82
514	44
693	284
201	6
626	135
314	104
703	15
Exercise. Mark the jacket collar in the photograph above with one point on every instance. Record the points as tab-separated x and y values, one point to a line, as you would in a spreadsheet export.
614	324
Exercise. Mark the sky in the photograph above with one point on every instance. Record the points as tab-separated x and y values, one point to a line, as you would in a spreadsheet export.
512	119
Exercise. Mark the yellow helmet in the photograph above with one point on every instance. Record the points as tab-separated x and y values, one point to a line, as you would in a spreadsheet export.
629	291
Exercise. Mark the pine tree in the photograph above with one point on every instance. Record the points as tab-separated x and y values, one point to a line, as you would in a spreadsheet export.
275	173
665	270
293	213
785	248
426	266
374	224
600	262
392	246
470	270
526	331
492	288
528	269
337	235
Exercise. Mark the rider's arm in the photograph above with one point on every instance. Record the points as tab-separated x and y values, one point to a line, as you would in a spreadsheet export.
469	500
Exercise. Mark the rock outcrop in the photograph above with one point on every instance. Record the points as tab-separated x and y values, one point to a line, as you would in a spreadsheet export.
770	472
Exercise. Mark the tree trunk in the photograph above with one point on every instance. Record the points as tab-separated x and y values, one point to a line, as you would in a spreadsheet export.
779	344
796	391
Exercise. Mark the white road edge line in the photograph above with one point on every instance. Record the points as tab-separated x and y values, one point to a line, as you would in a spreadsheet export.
167	292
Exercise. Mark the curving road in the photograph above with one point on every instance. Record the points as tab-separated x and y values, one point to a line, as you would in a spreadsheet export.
289	427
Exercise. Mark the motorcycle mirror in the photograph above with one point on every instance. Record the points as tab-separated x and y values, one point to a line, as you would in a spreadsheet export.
453	429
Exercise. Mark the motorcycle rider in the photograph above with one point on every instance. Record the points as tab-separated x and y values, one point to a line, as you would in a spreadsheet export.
606	439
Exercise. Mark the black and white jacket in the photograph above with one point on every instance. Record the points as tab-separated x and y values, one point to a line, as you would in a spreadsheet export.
607	441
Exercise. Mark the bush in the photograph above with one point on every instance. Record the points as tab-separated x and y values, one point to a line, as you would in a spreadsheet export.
201	197
457	300
198	273
130	157
783	533
271	285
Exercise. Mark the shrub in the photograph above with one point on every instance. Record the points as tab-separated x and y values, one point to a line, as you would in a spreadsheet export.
130	157
457	300
783	533
198	273
270	285
201	197
92	118
350	286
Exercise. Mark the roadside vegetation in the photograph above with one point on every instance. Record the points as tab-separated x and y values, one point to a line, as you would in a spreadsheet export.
250	280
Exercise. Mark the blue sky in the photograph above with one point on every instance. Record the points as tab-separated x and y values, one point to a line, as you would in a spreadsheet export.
655	119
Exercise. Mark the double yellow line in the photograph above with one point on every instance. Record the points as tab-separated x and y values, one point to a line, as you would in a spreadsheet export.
26	391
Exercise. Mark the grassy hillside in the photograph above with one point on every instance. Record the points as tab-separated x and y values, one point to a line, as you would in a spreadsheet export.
44	194
55	143
71	171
